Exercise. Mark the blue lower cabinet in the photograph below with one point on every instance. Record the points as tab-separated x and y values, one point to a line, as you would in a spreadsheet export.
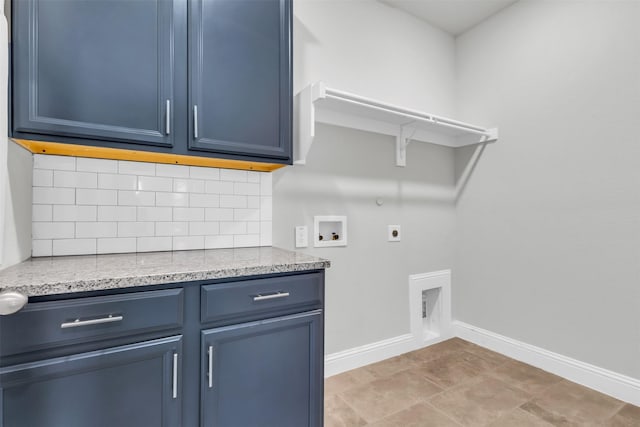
264	374
128	386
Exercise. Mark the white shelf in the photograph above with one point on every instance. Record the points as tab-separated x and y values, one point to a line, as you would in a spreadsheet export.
318	103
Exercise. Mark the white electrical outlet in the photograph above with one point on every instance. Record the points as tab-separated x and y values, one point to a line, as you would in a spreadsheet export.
302	236
393	233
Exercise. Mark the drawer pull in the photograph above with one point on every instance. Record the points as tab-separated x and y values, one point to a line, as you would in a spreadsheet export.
210	373
79	322
271	296
167	123
195	122
174	389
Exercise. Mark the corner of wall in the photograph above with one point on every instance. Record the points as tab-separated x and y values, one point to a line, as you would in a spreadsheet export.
17	206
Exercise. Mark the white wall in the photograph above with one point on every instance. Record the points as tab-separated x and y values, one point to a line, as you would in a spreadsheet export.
371	49
548	241
16	240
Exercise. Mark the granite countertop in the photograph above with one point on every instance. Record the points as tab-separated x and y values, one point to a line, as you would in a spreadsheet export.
60	275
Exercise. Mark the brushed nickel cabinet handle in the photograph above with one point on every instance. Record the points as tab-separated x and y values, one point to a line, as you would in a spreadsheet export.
167	123
210	370
76	323
271	296
175	375
195	122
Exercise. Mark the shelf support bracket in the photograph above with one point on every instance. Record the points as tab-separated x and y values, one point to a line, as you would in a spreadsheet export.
305	126
402	141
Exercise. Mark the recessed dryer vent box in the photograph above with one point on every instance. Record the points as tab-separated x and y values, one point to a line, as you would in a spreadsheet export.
329	231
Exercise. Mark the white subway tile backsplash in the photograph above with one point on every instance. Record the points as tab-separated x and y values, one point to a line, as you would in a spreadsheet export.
110	181
204	173
188	214
42	247
71	179
217	242
96	197
53	230
136	229
266	184
52	195
88	206
136	198
74	247
117	213
219	187
253	202
246	240
136	168
233	201
265	233
61	163
96	229
265	208
153	183
233	175
204	200
182	243
154	244
183	185
233	227
172	228
173	199
152	214
84	164
116	245
246	214
253	177
42	178
42	213
204	228
73	213
253	227
176	171
219	214
246	189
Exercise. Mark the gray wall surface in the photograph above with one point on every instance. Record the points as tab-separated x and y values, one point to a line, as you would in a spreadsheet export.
373	50
548	226
367	298
17	205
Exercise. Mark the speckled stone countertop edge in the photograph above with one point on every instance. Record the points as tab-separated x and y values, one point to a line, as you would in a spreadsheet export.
46	283
151	280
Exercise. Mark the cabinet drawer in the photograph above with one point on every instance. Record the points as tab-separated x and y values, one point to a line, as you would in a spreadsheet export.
58	323
260	298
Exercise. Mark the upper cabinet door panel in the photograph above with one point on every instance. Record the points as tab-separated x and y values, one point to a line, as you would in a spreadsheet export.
97	69
240	77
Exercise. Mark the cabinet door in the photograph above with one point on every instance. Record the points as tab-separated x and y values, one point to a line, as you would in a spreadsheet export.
94	69
130	386
240	77
264	374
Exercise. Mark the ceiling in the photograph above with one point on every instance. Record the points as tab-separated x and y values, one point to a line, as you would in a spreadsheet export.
452	16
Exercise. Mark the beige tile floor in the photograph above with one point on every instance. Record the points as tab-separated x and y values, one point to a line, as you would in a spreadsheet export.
457	383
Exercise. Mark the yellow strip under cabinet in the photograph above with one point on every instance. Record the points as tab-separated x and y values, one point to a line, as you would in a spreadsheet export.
59	149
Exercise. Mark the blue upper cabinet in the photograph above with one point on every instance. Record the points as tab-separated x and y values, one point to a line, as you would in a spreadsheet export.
205	78
240	77
99	69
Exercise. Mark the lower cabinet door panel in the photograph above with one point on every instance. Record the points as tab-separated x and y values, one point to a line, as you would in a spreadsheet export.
264	374
127	386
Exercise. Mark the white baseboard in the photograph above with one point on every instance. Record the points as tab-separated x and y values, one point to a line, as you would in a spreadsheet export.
419	337
357	357
608	382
